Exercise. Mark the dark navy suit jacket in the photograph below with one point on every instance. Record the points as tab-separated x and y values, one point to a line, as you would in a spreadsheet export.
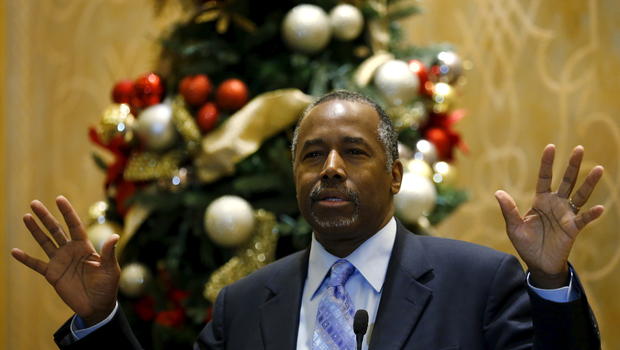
439	294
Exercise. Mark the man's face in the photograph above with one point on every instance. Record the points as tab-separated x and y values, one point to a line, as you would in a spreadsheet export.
343	187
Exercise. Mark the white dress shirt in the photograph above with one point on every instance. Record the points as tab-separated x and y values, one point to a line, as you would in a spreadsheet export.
364	286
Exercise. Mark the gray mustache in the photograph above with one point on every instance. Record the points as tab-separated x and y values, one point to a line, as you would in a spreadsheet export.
320	187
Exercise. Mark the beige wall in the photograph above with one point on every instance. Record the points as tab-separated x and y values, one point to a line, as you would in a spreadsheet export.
543	72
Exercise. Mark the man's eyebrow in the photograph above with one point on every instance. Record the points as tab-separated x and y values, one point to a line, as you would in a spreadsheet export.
313	142
355	140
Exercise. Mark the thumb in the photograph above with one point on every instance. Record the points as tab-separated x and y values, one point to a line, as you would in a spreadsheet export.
509	210
108	256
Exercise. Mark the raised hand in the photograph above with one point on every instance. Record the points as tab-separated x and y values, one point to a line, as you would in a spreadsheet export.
86	281
544	236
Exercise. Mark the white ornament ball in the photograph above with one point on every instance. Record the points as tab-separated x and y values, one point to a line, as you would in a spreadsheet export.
229	221
416	198
155	127
99	233
306	29
134	279
346	22
396	82
419	167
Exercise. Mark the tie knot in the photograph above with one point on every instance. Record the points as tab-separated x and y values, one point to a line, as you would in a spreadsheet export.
340	273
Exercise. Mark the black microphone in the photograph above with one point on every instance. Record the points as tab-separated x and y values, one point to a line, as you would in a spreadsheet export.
360	325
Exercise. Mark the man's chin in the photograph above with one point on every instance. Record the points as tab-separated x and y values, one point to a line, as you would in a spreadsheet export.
336	223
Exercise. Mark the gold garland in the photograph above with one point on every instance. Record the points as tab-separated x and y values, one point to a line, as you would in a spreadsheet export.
185	124
258	252
145	166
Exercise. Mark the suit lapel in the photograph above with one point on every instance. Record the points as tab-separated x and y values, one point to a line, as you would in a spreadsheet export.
279	314
404	295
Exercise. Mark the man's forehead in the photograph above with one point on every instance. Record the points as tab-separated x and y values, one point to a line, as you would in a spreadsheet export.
339	111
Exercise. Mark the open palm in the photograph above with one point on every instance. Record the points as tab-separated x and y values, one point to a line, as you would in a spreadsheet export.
544	236
86	281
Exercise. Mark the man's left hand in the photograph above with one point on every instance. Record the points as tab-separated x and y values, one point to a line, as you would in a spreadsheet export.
544	236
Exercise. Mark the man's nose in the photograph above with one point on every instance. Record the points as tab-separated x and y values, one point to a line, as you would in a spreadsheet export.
334	168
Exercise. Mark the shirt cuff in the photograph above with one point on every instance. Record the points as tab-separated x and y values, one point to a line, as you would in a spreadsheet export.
77	325
559	295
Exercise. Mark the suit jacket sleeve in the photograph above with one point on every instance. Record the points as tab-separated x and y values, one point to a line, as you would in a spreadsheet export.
212	336
556	325
116	334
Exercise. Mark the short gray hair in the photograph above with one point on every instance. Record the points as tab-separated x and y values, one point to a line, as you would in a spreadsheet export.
385	131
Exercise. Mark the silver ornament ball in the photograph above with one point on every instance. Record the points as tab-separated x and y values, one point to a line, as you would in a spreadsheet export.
416	198
396	82
229	221
306	29
155	127
447	67
134	279
426	151
346	22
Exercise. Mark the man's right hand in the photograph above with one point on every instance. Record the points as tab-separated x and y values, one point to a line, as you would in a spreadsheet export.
86	281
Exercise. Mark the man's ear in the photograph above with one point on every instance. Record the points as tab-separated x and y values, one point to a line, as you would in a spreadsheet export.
397	176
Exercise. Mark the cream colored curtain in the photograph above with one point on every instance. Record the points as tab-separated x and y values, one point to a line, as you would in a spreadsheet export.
543	72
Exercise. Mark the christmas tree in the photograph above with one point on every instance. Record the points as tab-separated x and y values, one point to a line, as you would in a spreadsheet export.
199	182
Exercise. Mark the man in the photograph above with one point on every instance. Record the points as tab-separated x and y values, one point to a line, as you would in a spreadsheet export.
420	292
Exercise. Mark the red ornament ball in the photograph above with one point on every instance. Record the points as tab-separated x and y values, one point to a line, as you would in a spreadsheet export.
207	117
148	90
232	94
442	141
123	92
419	69
195	89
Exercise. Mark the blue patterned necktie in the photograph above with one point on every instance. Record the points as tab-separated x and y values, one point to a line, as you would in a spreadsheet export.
334	319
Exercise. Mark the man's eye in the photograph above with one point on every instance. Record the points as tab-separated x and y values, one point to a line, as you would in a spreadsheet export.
356	151
312	154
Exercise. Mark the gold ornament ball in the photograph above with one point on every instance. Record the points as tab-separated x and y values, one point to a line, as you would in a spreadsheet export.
346	22
99	233
396	82
444	173
426	151
229	221
443	97
134	279
419	167
306	29
416	198
96	212
155	127
116	120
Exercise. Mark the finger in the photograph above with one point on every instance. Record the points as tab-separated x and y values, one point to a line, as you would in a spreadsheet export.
49	222
33	263
108	257
545	172
74	224
583	219
509	210
44	241
570	175
585	190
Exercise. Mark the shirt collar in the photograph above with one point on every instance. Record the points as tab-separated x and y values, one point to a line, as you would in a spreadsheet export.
371	259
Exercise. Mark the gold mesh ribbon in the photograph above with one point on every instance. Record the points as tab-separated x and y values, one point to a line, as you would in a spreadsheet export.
244	132
135	216
145	166
258	252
